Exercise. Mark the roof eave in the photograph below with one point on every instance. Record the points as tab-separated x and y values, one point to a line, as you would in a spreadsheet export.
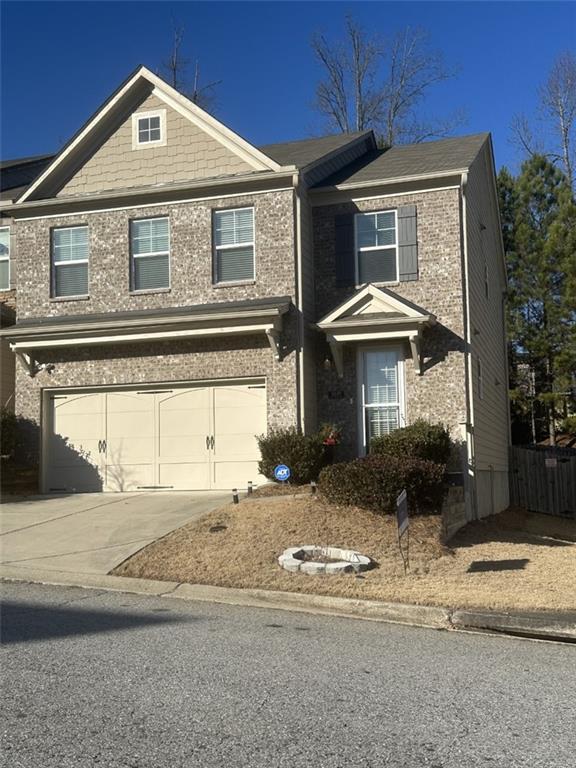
389	182
286	173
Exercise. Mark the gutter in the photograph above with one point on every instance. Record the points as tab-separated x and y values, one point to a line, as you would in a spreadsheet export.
299	300
257	177
468	363
395	180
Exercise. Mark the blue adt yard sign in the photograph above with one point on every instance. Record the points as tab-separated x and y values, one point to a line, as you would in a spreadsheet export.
282	473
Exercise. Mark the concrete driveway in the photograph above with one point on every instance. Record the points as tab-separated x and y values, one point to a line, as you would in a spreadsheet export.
92	532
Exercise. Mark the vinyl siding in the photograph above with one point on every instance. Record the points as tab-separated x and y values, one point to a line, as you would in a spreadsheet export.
491	415
189	153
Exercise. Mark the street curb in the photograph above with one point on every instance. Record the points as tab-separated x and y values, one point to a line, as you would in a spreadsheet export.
544	626
540	626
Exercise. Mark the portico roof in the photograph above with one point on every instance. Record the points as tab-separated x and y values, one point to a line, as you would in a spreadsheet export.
375	314
199	321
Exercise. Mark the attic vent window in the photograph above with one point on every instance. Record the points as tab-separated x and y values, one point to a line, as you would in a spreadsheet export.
149	129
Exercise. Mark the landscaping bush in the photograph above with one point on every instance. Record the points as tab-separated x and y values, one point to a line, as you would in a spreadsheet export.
375	481
421	440
569	425
304	454
8	428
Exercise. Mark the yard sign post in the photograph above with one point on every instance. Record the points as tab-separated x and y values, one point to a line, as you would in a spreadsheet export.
403	527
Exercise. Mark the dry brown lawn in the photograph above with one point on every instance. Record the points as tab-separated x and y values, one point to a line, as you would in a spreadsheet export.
525	569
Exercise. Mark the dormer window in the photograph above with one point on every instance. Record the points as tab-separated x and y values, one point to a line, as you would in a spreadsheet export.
149	129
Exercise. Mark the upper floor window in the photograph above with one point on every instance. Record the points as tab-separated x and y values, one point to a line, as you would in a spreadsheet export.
150	254
149	128
376	248
234	245
4	258
70	261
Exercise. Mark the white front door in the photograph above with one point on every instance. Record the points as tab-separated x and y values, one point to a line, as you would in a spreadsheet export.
181	438
381	378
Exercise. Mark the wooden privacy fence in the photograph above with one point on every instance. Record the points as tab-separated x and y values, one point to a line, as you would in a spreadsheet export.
543	479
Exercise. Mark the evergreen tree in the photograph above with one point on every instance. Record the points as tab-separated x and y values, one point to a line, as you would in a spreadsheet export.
539	218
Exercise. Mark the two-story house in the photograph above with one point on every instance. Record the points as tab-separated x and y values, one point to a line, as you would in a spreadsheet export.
181	291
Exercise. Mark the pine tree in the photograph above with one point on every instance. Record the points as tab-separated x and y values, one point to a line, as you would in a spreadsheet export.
539	218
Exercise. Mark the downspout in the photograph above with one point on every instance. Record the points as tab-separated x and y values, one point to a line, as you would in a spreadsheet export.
468	362
299	304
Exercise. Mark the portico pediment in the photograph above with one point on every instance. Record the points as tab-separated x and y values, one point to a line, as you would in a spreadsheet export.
375	314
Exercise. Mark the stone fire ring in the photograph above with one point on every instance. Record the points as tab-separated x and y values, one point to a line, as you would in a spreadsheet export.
347	560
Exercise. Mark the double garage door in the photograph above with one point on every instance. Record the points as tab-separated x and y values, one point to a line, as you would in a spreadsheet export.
165	438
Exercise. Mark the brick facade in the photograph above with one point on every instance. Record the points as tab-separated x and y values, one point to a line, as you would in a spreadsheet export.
190	257
191	279
181	361
438	394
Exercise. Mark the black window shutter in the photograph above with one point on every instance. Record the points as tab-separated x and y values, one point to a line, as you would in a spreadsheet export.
344	249
407	243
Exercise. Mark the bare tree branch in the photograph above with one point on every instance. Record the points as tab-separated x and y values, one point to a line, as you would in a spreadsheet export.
558	101
372	85
176	69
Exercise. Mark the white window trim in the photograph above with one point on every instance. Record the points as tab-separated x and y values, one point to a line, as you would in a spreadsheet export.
161	142
215	281
55	264
134	256
360	386
7	258
376	247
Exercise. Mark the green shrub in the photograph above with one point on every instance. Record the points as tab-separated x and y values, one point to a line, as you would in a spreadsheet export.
8	429
569	425
304	454
375	481
421	440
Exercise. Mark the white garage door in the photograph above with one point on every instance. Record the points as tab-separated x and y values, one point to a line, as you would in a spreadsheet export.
167	438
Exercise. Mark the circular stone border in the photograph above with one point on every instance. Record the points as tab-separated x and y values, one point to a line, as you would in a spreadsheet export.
346	560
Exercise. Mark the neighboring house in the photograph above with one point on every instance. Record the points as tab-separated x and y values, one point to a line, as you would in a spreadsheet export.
15	176
180	290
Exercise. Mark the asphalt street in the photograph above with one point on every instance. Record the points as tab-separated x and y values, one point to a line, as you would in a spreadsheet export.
94	678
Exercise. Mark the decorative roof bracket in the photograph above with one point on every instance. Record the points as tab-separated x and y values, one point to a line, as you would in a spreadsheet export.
337	355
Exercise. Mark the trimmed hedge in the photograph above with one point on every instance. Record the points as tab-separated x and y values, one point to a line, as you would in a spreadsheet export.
304	454
375	481
421	440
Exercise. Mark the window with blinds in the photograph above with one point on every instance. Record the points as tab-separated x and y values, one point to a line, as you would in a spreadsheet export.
4	258
381	393
150	254
234	245
70	250
376	248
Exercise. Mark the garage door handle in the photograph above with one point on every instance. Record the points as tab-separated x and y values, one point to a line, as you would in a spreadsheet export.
207	443
101	446
212	442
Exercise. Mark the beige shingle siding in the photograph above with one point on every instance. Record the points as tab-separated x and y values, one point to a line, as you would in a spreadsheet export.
491	419
189	153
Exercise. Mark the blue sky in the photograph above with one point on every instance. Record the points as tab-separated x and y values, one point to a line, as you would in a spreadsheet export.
60	60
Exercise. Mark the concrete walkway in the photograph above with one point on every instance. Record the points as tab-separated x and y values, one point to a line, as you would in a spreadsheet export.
91	533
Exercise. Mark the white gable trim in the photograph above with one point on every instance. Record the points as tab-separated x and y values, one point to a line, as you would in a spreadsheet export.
378	294
405	324
169	95
217	130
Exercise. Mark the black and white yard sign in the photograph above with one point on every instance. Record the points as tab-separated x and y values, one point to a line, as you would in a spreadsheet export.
403	525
